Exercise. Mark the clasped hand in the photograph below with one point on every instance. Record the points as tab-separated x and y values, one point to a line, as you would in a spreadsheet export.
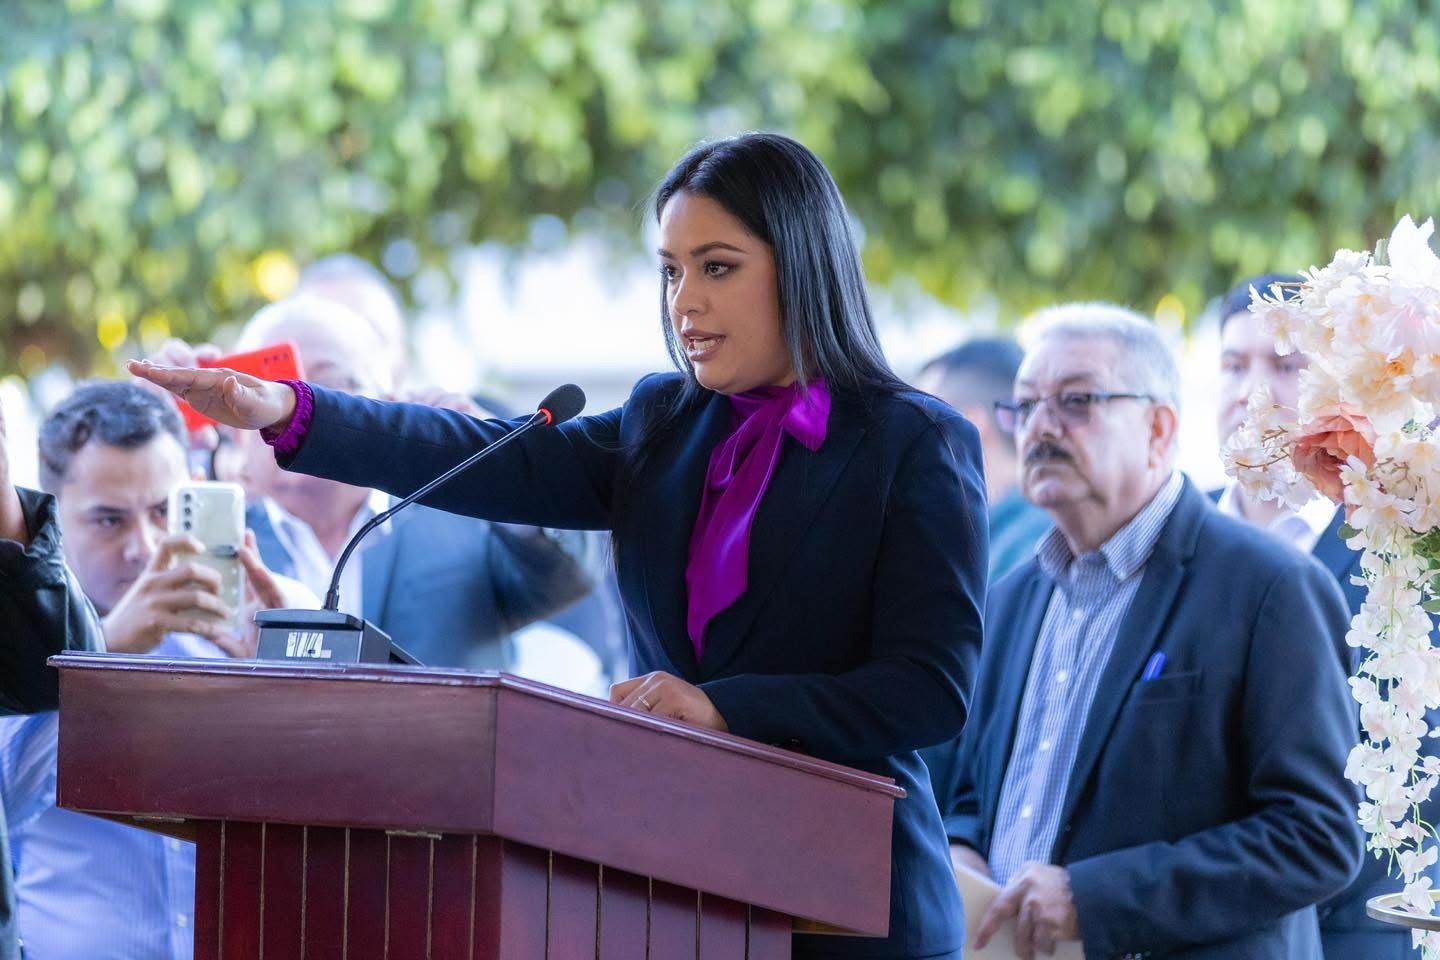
1038	898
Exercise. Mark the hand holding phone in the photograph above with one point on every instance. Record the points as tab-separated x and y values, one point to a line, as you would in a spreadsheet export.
173	594
214	515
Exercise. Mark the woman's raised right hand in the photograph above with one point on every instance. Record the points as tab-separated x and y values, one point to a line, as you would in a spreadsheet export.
232	398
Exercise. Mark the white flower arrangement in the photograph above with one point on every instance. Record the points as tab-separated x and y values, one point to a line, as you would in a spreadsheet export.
1365	435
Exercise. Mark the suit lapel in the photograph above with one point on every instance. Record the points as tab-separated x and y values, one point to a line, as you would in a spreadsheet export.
1344	563
377	566
1335	553
1139	635
1017	646
802	482
668	503
272	553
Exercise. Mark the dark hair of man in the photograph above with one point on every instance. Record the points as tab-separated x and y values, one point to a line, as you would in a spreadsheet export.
783	195
979	372
112	412
1238	299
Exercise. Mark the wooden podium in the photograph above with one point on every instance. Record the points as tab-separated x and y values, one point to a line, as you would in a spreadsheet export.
354	812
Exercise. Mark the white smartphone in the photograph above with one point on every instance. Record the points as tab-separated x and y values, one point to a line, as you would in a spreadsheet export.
214	514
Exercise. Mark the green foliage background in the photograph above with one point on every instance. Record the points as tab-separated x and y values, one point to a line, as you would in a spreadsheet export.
152	150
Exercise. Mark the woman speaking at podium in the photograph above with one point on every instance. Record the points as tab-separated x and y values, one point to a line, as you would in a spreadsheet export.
800	538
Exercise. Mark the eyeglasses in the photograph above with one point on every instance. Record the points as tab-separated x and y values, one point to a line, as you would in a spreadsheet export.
1073	409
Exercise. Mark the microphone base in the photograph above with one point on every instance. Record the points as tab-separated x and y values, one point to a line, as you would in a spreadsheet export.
325	635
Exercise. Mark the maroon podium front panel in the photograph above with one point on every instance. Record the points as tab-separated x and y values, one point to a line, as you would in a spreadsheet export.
280	891
348	813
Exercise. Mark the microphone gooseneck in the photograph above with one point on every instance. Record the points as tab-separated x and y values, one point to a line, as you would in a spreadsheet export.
559	405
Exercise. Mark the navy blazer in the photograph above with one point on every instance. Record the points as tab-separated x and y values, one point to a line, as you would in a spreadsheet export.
1207	809
857	638
1345	929
448	590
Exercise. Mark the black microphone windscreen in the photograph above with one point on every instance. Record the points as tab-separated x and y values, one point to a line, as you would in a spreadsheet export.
563	403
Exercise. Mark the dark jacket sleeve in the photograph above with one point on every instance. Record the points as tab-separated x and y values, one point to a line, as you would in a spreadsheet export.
950	779
928	593
552	477
42	611
1301	843
537	571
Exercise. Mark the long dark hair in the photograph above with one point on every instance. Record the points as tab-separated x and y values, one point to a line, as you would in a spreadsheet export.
782	194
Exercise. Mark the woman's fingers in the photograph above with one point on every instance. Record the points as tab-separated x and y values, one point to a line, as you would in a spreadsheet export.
178	601
235	399
639	693
173	379
261	586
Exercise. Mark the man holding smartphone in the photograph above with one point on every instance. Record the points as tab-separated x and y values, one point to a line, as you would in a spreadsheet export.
43	612
110	454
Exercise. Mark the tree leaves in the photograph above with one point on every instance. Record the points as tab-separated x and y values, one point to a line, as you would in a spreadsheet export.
151	151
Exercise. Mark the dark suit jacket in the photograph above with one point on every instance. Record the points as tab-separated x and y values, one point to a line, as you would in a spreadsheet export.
42	612
1345	913
1345	929
857	638
1207	809
450	590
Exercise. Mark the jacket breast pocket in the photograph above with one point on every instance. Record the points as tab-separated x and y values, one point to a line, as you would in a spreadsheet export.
1174	686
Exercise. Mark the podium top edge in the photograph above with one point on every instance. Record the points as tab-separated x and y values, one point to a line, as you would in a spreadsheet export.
454	677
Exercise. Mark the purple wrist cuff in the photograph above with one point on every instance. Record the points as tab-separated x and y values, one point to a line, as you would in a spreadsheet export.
287	441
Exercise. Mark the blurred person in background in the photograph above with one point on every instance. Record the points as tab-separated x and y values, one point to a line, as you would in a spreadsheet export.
540	649
43	611
449	590
1250	362
971	378
359	285
110	454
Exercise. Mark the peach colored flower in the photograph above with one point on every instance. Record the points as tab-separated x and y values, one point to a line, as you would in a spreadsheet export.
1337	433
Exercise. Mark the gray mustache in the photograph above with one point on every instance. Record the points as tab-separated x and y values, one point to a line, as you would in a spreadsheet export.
1045	450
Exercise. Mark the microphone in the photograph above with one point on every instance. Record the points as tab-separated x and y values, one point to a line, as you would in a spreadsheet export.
304	634
563	403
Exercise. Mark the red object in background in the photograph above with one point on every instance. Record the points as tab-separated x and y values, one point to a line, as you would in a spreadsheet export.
278	361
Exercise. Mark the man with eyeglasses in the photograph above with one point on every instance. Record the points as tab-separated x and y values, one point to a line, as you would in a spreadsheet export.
1154	756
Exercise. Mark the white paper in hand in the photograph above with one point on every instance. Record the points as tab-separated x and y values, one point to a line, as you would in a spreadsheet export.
977	892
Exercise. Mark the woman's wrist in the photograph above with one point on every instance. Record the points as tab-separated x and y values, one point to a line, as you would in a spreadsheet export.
285	434
289	402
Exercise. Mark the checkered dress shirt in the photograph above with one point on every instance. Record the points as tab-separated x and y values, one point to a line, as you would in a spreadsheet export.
1093	593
